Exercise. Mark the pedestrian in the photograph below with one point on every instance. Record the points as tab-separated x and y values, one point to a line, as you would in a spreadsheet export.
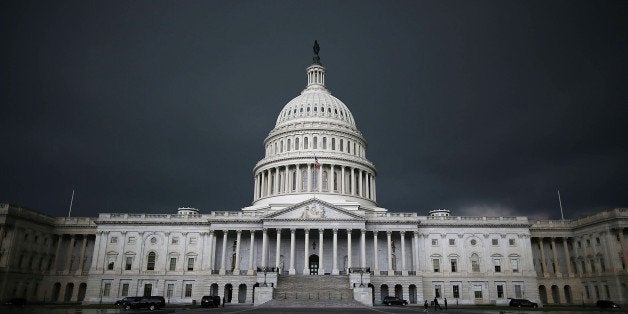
445	303
425	306
436	305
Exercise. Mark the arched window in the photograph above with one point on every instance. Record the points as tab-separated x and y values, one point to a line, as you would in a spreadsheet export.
341	146
288	148
294	180
150	261
325	180
314	142
349	147
296	143
303	179
475	263
314	179
333	144
305	143
281	147
324	142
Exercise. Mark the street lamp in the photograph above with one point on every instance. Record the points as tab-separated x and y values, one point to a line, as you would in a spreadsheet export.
265	269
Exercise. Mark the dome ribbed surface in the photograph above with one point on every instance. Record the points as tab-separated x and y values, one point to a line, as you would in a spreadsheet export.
316	105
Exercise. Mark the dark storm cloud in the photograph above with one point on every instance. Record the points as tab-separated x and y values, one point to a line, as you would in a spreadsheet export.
484	108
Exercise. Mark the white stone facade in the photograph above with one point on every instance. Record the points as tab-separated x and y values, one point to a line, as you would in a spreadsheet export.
314	213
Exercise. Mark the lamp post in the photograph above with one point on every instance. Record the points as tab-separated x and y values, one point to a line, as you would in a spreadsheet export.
265	269
361	273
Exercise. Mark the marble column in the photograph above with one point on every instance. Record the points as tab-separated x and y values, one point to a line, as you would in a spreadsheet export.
404	271
236	268
342	179
298	185
375	255
278	250
223	257
292	271
250	271
624	249
330	183
334	270
391	272
543	263
211	250
360	192
352	178
320	178
264	247
348	250
415	251
321	269
363	248
567	257
68	259
82	258
306	253
555	258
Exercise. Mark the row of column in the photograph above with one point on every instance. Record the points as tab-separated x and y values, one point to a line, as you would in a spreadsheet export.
68	259
268	182
335	270
565	242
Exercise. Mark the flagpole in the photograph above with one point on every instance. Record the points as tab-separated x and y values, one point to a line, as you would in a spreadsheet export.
560	203
71	201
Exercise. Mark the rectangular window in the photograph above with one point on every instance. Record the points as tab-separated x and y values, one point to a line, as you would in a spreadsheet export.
514	264
188	290
175	240
597	292
452	241
129	263
173	263
110	266
193	240
434	241
500	291
475	266
597	241
477	291
579	244
106	290
602	265
454	265
588	242
511	242
191	263
495	242
583	266
131	240
456	291
592	262
586	290
125	289
497	264
518	293
436	263
608	292
437	291
114	239
148	290
170	290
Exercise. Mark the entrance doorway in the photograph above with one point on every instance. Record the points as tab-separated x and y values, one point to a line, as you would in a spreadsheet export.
148	289
313	261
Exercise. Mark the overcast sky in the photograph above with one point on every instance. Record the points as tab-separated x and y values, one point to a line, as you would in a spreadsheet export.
480	107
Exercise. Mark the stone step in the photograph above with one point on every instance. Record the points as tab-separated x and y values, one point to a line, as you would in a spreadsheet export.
299	288
313	304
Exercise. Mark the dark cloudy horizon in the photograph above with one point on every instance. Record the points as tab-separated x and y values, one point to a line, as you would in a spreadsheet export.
480	107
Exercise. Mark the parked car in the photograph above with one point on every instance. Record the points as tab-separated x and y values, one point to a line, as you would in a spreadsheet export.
522	303
124	300
17	302
606	304
151	303
210	301
390	300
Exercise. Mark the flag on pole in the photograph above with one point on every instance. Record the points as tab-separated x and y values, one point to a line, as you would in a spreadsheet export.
316	164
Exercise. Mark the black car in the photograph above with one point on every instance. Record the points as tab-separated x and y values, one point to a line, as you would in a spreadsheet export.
151	303
606	304
394	301
210	301
522	303
125	300
17	302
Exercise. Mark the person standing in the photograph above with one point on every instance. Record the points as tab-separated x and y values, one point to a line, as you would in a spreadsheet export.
445	303
436	305
425	306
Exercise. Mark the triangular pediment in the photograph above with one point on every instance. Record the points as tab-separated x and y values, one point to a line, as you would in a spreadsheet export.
314	209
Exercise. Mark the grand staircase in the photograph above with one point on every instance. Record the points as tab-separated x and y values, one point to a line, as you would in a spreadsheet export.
313	291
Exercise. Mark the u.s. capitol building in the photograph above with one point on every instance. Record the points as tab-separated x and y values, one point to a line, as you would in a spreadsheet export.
313	231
